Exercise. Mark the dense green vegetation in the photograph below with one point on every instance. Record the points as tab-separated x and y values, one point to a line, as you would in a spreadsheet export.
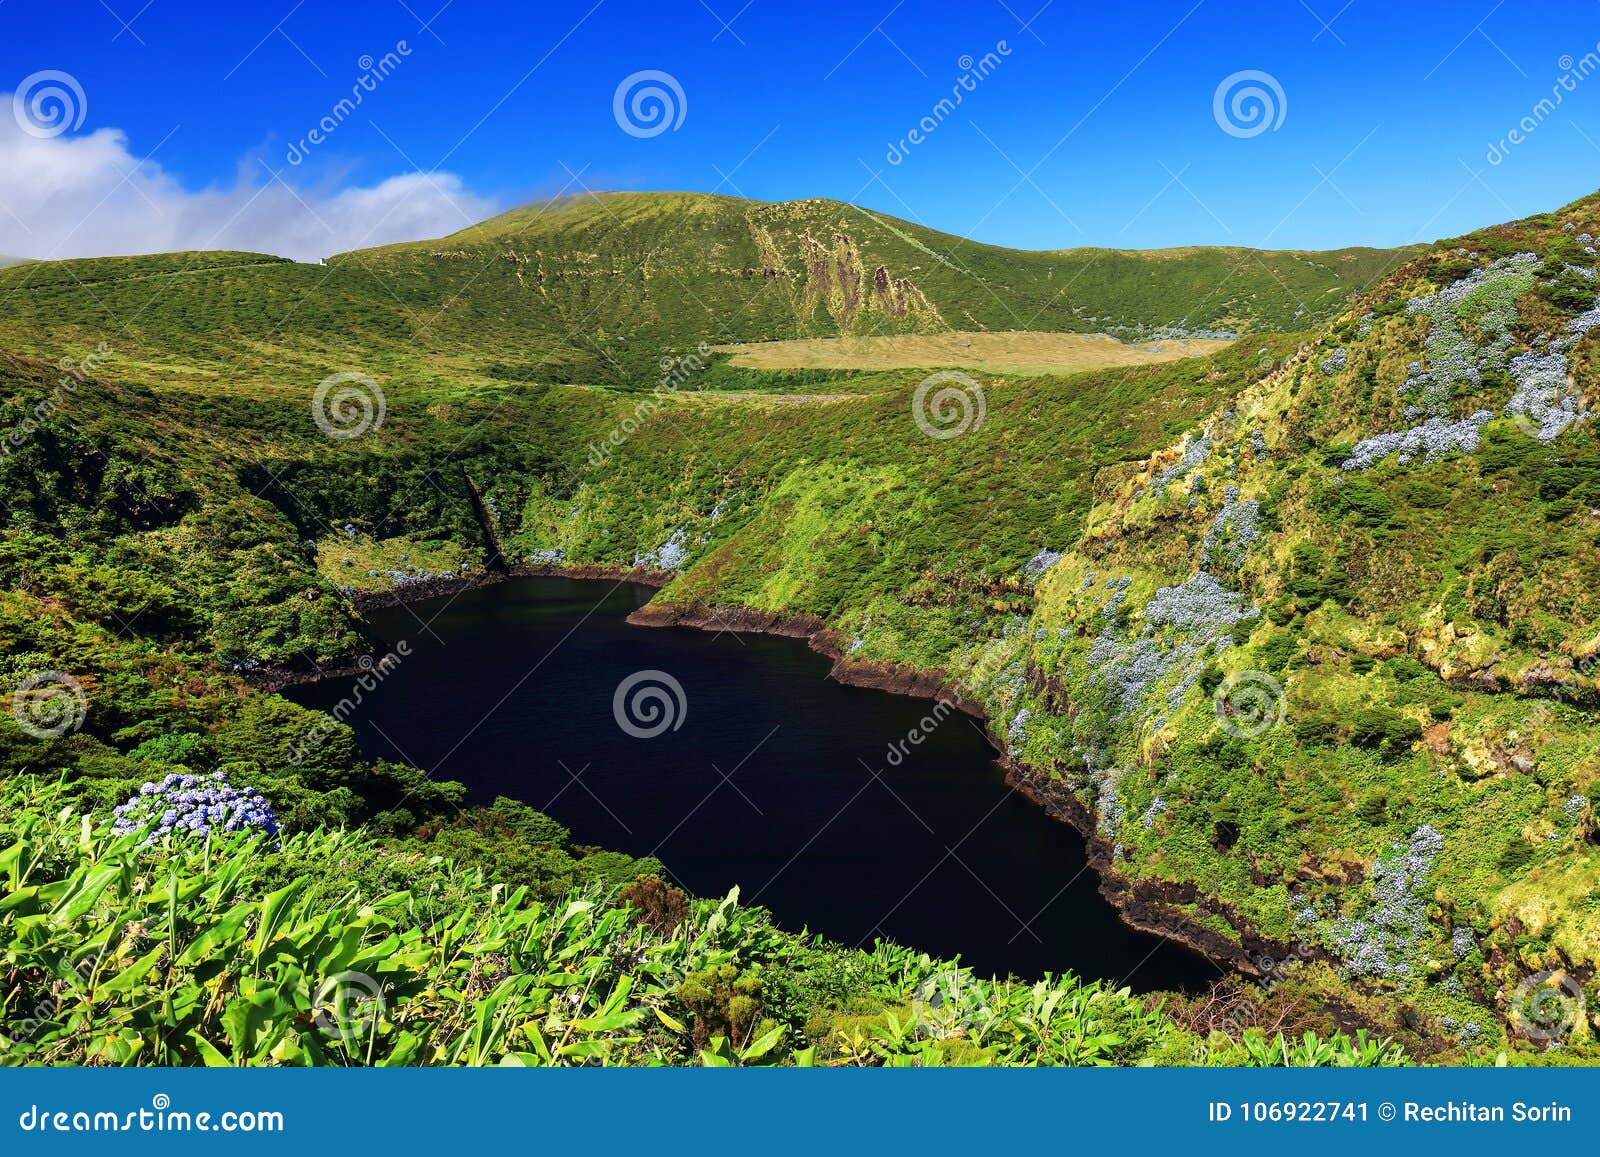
332	950
1340	704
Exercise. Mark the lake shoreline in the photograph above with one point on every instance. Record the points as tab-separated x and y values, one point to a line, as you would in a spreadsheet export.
1145	905
278	678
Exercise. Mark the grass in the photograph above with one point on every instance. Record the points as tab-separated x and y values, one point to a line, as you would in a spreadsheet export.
116	953
1028	354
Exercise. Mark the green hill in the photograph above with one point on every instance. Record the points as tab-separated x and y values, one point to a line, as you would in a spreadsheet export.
1303	631
595	289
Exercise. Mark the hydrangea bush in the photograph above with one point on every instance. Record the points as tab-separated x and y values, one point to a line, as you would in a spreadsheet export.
1382	940
1544	401
1232	533
1183	625
670	555
1195	451
1041	562
195	805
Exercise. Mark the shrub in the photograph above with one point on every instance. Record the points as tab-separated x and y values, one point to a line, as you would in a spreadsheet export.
661	907
725	1003
1385	729
195	805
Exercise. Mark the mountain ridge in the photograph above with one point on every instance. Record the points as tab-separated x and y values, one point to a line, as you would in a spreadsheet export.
596	289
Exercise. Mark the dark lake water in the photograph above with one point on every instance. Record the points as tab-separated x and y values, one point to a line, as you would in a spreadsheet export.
773	778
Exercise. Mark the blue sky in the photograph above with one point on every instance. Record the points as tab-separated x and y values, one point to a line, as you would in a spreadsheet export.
1094	124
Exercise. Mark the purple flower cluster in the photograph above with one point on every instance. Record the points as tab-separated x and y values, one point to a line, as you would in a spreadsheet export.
1195	451
1486	301
1381	941
1041	562
1428	442
1196	615
195	805
1232	533
1545	399
1017	731
670	555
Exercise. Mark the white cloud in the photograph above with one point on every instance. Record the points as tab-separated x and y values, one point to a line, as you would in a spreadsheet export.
88	196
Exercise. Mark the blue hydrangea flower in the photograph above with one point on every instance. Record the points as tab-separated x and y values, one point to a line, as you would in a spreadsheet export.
197	805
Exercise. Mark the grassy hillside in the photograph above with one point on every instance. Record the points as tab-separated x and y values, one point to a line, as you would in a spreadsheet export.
1329	657
596	289
1306	627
